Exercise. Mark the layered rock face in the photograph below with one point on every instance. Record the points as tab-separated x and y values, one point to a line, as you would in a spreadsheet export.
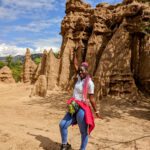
46	74
52	70
114	40
29	68
6	75
75	30
143	75
40	87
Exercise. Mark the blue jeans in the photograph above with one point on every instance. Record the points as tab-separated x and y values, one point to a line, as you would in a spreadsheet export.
69	120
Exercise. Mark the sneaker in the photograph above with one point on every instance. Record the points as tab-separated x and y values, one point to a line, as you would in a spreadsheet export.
65	147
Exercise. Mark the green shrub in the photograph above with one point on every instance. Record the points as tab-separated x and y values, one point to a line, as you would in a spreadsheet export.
16	68
9	60
37	60
2	64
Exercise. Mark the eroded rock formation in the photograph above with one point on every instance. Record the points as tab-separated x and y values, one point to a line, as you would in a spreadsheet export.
40	87
29	68
46	74
52	70
6	75
75	31
114	40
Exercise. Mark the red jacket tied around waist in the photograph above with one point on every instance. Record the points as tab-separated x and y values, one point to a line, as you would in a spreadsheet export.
89	118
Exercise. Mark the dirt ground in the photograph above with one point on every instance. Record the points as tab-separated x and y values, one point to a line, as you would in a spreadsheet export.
32	123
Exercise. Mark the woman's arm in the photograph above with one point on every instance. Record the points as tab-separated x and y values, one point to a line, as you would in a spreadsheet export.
93	103
75	61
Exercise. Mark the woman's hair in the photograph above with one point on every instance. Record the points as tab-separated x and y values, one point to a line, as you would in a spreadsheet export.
85	65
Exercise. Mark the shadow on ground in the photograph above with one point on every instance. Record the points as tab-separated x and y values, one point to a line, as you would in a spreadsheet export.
113	108
109	107
142	114
53	100
46	143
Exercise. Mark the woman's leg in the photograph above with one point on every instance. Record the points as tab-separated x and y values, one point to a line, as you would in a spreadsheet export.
83	128
64	124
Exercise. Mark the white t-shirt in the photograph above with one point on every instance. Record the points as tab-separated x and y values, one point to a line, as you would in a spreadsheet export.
78	89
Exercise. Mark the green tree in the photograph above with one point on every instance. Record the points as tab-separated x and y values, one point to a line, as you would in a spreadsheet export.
2	64
9	60
37	60
16	68
16	72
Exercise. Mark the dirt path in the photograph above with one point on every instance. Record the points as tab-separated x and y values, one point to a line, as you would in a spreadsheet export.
32	124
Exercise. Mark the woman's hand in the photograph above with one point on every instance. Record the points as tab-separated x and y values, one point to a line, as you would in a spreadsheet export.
92	101
98	115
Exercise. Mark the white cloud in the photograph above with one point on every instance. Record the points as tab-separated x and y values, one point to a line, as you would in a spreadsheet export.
49	43
6	13
38	25
33	26
40	45
31	16
13	9
13	50
30	5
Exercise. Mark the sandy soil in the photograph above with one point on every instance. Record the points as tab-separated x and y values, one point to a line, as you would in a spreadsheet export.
32	123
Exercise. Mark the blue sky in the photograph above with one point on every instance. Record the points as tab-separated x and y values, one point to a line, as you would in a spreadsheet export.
33	23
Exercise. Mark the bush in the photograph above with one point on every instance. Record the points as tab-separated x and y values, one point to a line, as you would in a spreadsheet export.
37	60
9	60
2	64
16	68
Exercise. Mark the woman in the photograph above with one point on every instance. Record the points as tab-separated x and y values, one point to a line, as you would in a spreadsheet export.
79	109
